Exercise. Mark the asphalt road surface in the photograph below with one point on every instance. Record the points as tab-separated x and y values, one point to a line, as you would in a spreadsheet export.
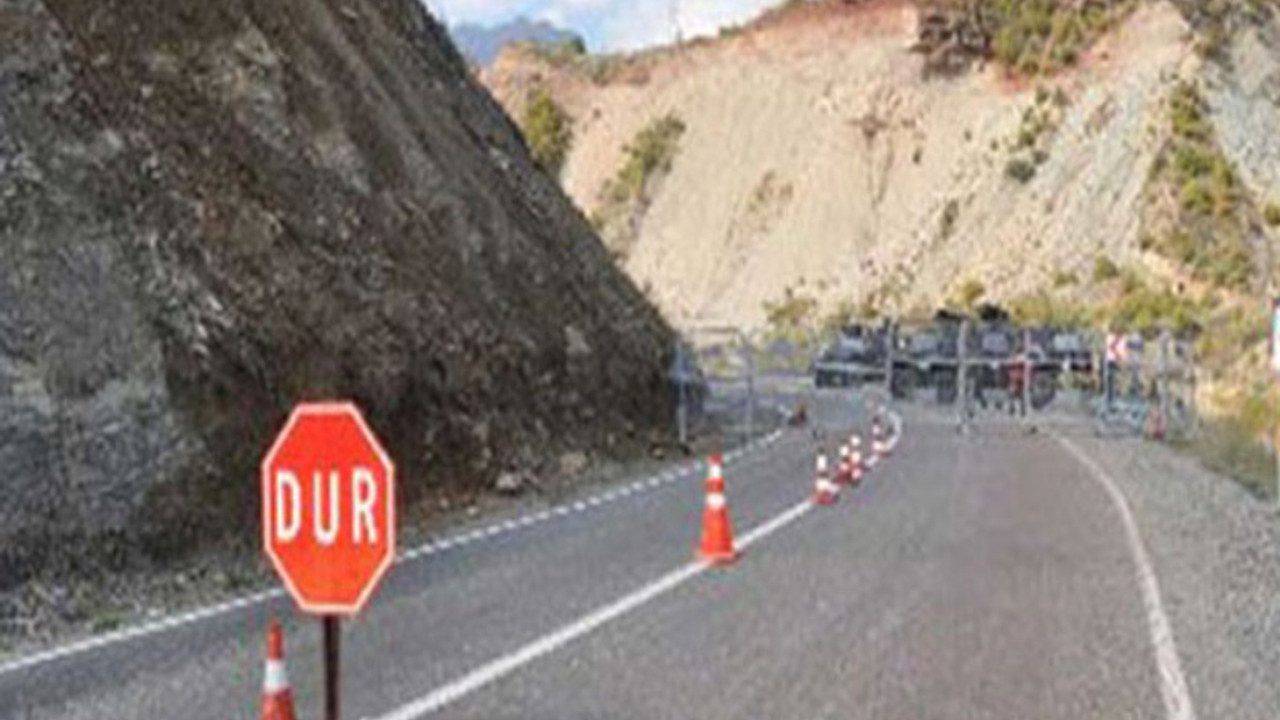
979	576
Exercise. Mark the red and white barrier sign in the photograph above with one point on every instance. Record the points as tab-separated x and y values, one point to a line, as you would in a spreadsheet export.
1117	348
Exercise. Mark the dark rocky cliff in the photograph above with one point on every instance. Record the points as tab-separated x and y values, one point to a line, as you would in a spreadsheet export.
212	210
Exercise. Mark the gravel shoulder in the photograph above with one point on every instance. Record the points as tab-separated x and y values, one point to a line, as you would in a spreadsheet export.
1214	547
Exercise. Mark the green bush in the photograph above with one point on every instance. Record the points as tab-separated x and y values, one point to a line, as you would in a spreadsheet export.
1271	214
548	131
1020	169
1063	279
1104	269
1142	309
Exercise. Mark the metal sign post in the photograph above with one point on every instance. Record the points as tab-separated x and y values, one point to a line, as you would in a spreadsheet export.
1275	368
962	375
682	404
332	655
1026	375
890	340
751	386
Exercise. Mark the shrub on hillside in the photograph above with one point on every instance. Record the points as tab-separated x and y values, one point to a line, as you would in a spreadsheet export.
548	131
1104	269
1213	213
1020	169
970	292
793	311
651	152
1272	214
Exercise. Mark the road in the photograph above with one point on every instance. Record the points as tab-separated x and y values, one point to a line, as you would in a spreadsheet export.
980	576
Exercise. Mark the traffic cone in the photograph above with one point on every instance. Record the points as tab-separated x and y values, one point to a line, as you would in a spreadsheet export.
878	445
844	471
857	464
277	698
717	531
825	492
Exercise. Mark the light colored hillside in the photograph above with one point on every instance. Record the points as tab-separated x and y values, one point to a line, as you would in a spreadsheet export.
818	154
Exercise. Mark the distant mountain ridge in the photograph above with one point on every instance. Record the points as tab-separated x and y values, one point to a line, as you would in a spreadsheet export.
481	44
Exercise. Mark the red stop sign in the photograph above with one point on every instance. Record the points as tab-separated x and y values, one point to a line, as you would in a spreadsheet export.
328	508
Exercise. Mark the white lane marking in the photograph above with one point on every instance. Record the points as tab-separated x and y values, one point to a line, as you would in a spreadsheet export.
138	631
185	618
1173	685
499	668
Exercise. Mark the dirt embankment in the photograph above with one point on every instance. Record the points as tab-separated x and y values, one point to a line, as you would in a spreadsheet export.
210	211
820	156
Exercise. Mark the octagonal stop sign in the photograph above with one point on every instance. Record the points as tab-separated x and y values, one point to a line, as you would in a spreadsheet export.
328	508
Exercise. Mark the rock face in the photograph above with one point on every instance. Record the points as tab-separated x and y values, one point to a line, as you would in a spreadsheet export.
210	211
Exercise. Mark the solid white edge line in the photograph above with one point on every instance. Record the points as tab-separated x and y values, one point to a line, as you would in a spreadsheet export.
501	667
138	631
1173	685
167	623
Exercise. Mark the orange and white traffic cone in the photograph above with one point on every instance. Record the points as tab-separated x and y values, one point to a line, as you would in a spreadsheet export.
857	464
717	531
825	492
277	698
844	471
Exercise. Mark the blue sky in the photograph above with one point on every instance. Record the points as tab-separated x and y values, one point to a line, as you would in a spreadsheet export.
609	24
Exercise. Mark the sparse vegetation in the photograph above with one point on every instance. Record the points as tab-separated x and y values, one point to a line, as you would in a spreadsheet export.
1020	169
625	198
794	311
950	214
1030	146
548	130
1147	310
840	317
970	291
650	153
1209	234
1065	278
1026	36
1229	447
558	53
1104	269
1042	309
1271	214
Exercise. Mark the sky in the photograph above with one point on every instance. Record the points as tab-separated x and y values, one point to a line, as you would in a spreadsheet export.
609	25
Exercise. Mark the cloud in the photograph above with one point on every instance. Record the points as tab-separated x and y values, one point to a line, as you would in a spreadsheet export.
641	24
610	24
